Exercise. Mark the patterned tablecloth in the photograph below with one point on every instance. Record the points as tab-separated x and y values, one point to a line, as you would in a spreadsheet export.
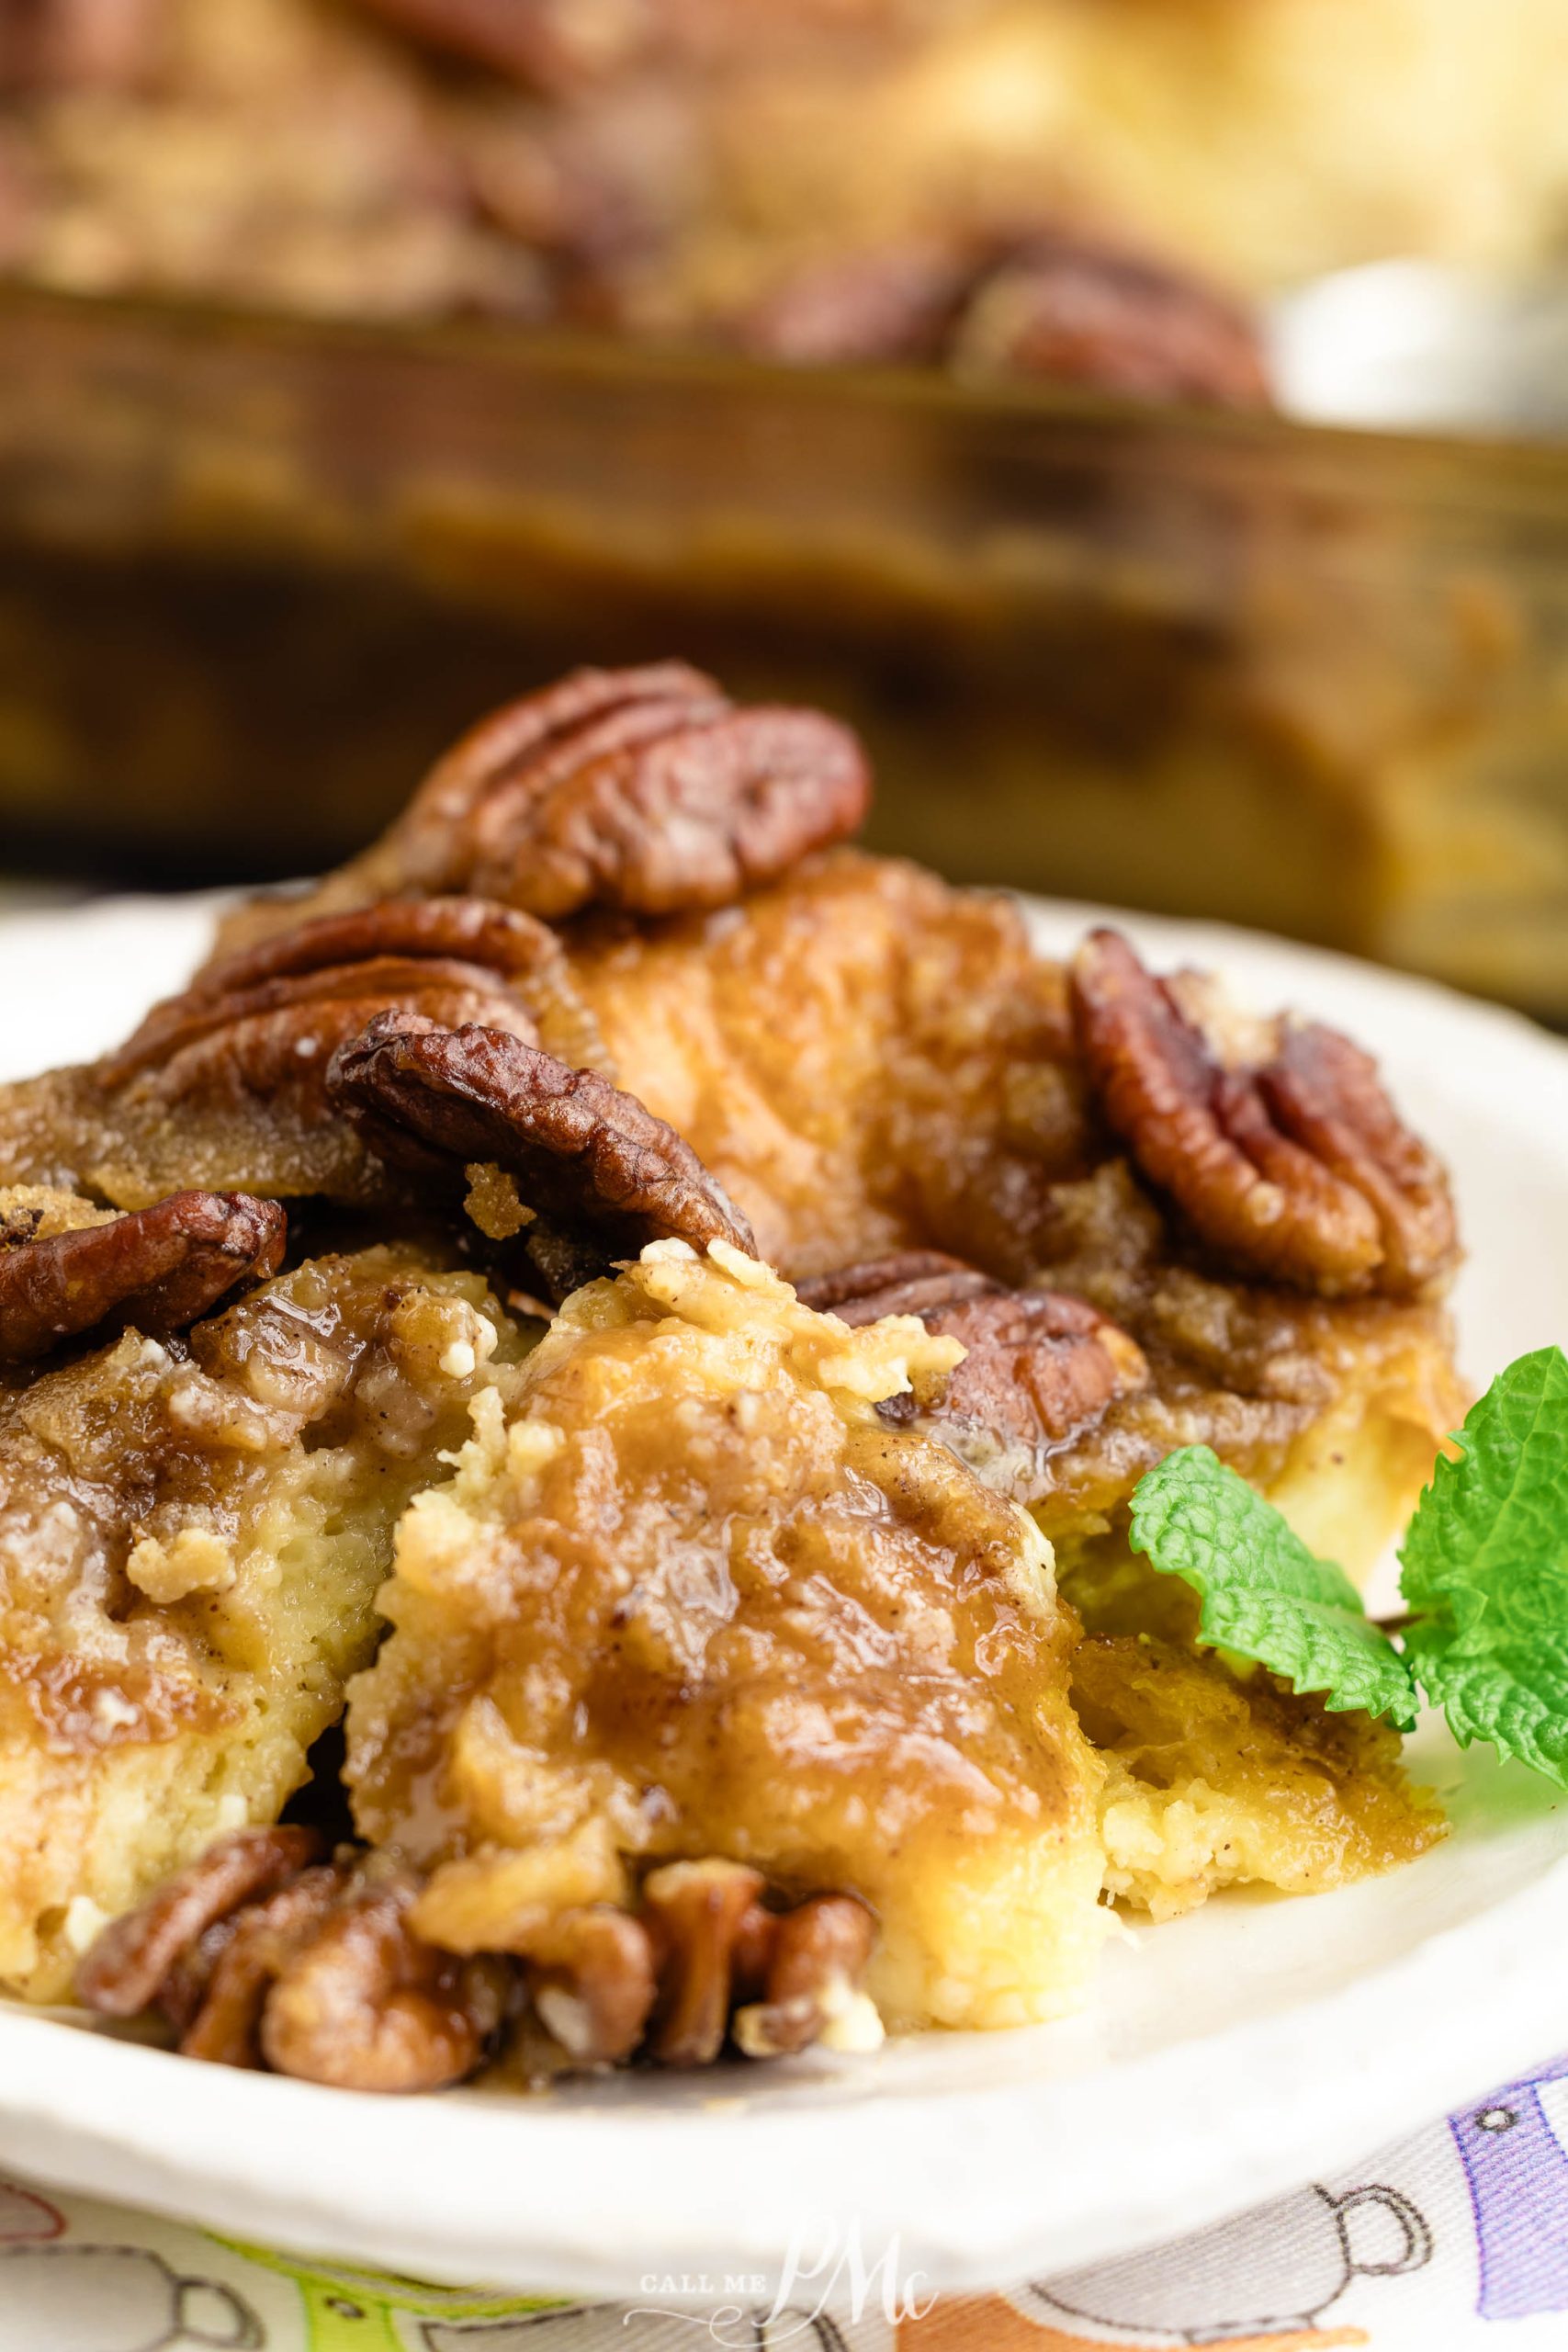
1452	2240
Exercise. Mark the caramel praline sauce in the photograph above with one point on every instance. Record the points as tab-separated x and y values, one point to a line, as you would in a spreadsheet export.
698	1599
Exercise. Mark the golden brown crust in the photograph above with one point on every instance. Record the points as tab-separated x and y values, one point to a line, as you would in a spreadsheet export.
867	1061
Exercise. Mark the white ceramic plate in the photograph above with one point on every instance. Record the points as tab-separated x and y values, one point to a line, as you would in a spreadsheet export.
1228	2056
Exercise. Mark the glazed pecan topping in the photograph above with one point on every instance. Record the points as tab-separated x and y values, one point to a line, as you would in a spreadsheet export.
215	1996
1041	1366
587	1160
124	1970
593	1979
811	1961
365	2004
695	1914
646	790
160	1269
261	1954
262	1025
704	1961
892	303
1294	1166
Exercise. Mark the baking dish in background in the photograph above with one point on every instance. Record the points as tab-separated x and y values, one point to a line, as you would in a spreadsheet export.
253	573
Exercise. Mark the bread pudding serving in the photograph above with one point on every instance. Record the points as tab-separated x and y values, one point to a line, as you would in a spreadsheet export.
571	1419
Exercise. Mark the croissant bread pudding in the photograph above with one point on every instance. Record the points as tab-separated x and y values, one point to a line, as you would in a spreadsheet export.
569	1413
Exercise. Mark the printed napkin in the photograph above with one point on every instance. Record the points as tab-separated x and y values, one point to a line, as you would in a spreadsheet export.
1424	2248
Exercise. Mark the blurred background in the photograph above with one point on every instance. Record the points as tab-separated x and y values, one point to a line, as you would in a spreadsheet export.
1146	418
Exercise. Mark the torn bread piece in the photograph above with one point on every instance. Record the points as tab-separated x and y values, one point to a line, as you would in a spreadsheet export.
691	1596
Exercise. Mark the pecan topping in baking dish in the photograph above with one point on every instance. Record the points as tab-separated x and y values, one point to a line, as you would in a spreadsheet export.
160	1269
587	1160
1289	1159
71	45
1041	1366
646	790
1049	302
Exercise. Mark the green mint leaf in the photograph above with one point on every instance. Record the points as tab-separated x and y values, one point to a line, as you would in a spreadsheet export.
1484	1567
1263	1593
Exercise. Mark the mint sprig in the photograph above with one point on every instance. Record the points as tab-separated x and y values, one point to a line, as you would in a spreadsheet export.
1484	1574
1264	1594
1484	1567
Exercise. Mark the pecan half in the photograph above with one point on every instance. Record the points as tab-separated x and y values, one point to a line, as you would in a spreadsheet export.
1075	310
263	1023
216	1998
1051	302
124	1970
1294	1166
550	45
159	1268
365	2004
695	1914
704	1960
587	1159
888	304
812	1961
594	1980
646	790
1041	1366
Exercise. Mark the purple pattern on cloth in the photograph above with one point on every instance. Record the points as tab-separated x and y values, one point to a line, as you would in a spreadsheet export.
1518	2172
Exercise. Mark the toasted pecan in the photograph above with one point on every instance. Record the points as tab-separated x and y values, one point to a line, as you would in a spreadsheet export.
159	1268
122	1972
1295	1167
217	1998
1049	302
587	1159
264	1022
646	790
364	2002
593	1977
1039	1366
812	1961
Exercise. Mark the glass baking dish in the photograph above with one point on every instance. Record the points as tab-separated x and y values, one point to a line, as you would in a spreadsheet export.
252	574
